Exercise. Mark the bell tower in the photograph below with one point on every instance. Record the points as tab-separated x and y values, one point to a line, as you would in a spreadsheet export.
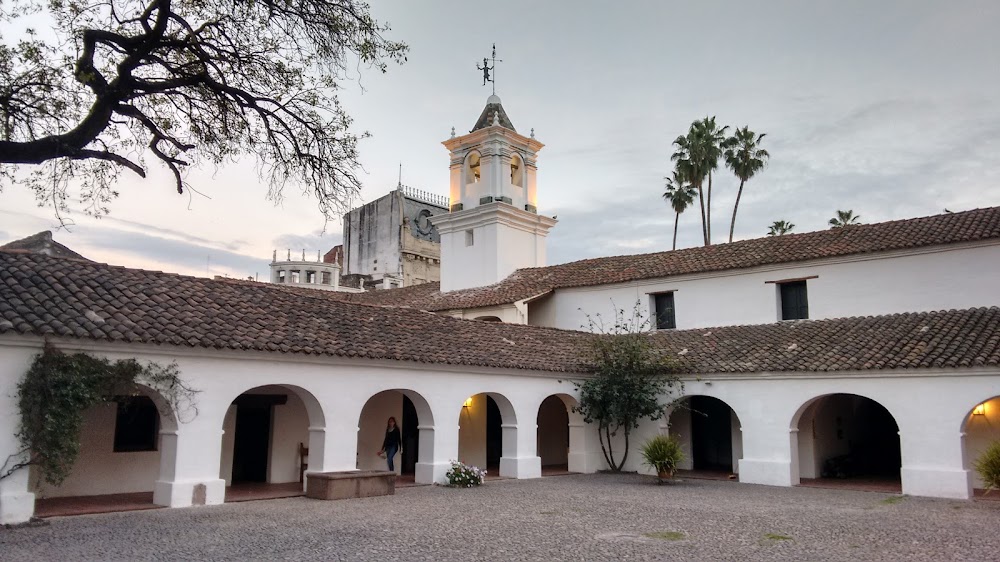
494	227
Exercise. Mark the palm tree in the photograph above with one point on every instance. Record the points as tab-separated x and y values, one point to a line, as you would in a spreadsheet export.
844	218
679	194
745	158
697	154
711	138
780	228
690	165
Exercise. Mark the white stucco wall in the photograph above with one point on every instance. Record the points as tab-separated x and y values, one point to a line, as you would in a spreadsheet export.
324	409
949	277
127	471
930	407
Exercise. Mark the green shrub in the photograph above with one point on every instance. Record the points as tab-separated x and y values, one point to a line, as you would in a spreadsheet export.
663	453
988	466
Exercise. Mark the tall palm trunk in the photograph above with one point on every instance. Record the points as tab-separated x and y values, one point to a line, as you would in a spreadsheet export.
732	225
677	219
701	201
708	212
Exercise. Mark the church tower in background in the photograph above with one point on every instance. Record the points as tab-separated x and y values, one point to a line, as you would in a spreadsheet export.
493	227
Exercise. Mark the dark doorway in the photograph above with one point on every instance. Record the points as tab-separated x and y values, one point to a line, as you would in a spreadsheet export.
878	443
494	433
251	442
711	434
411	437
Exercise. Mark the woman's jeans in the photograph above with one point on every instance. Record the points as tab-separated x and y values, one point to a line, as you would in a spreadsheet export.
390	452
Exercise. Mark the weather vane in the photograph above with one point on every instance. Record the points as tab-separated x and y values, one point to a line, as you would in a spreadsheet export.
486	68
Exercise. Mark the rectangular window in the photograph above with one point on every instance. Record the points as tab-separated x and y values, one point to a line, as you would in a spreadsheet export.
664	306
469	238
794	300
136	424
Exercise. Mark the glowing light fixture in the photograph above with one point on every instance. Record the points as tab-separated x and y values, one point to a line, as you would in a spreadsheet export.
468	402
979	410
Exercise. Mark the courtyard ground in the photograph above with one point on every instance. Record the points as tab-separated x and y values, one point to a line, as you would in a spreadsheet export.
582	517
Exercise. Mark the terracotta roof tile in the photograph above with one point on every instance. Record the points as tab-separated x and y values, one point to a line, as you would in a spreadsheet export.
948	228
42	295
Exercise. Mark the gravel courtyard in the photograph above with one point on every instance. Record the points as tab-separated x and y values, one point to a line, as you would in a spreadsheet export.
586	517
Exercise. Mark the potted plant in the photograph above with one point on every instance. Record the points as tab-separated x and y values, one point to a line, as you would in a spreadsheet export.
663	453
988	467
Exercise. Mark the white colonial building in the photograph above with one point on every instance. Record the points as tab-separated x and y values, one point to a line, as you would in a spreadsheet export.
869	351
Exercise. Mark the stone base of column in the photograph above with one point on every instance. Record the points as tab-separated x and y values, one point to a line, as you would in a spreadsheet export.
431	472
189	492
936	483
521	467
16	507
770	473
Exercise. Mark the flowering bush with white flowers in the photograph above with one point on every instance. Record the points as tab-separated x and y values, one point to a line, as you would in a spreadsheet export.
462	475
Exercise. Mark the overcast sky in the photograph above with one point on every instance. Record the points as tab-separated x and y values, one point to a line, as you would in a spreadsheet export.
889	108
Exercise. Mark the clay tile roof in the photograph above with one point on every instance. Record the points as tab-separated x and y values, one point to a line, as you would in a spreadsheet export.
45	296
948	228
486	117
42	296
919	340
42	243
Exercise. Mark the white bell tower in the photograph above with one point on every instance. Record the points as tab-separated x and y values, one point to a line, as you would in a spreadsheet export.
494	227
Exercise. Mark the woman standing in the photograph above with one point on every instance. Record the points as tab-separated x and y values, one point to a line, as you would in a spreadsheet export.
391	443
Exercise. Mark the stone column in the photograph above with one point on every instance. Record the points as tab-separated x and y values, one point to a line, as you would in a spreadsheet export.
932	458
17	503
190	458
520	446
768	449
438	447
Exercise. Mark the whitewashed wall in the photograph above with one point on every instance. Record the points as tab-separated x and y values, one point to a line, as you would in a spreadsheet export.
931	409
326	398
955	277
130	471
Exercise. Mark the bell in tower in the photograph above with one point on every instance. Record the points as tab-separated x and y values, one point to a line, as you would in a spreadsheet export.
494	227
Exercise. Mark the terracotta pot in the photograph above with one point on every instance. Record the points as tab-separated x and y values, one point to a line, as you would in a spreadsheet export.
665	474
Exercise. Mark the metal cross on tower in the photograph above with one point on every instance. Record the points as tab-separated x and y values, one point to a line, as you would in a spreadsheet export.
486	68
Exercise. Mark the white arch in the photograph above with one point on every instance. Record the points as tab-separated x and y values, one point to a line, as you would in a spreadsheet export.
425	429
803	443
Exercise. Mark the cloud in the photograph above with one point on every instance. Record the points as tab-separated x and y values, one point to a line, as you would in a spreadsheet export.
311	243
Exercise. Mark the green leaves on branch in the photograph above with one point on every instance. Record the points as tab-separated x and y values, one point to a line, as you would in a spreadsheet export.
631	378
58	388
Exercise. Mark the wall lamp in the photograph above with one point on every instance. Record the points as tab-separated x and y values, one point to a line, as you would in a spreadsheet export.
468	402
979	410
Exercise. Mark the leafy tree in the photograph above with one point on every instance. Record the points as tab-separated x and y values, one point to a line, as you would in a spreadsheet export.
845	218
188	82
679	194
696	155
745	157
630	378
779	228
